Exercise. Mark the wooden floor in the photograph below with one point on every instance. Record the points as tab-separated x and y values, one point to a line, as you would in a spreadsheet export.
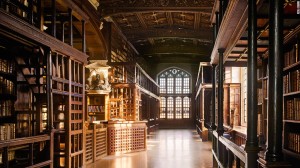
181	148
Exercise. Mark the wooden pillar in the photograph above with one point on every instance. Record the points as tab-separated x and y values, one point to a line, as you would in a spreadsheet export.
215	33
63	30
217	23
251	147
237	162
83	37
220	128
68	118
213	99
107	28
49	92
30	11
40	15
30	154
53	21
275	100
70	11
230	159
221	12
5	157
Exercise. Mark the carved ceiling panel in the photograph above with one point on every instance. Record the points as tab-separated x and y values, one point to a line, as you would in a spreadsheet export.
152	25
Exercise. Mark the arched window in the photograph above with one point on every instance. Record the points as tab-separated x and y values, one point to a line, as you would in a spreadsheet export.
175	94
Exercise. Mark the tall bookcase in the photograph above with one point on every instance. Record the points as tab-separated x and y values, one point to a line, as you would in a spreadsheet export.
68	110
291	89
7	100
203	99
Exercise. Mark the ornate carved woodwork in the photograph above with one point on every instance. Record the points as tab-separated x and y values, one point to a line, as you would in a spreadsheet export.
156	25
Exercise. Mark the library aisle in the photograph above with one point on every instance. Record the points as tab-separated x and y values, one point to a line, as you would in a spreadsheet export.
181	148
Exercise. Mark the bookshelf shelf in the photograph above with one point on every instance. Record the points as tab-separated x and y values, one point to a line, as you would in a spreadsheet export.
292	94
292	67
292	121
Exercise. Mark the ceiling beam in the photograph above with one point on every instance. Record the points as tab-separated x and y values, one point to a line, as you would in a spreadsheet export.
175	48
205	34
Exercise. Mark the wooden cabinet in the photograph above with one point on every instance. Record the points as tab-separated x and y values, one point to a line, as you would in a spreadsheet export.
96	142
124	137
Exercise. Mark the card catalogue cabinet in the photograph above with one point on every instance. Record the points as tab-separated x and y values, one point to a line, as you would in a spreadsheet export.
124	137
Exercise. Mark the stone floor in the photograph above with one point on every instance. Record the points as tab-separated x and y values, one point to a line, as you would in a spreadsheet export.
181	148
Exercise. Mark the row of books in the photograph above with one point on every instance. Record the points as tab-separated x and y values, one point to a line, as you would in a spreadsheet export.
6	86
291	82
291	56
292	109
6	108
11	156
7	66
293	142
7	131
96	109
260	95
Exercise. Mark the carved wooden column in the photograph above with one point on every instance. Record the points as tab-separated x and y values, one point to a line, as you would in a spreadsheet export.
251	147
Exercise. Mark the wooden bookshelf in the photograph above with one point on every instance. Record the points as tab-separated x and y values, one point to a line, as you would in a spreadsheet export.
7	100
203	100
291	89
97	107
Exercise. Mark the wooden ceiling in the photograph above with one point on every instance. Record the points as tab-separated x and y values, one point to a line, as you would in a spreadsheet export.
162	30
